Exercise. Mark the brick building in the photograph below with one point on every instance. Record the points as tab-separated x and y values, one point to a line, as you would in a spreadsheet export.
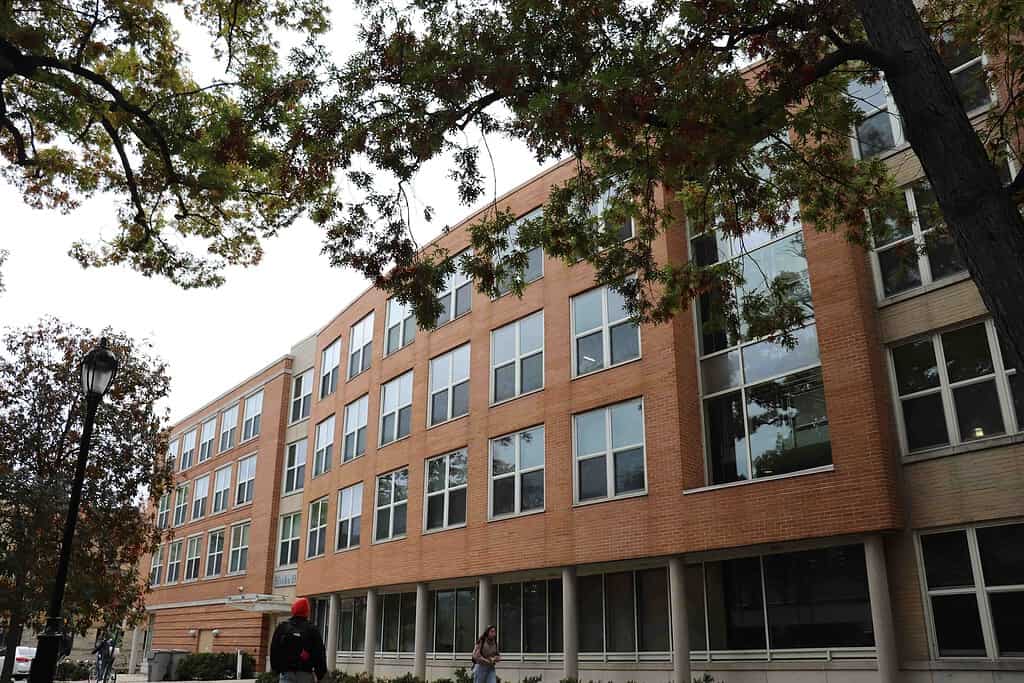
613	497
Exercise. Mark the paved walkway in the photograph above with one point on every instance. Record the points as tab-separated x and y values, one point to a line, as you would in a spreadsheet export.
141	678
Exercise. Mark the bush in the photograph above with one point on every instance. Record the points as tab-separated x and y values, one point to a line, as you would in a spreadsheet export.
463	676
532	679
266	677
213	666
73	670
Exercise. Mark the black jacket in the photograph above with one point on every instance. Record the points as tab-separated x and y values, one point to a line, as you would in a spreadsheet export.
312	644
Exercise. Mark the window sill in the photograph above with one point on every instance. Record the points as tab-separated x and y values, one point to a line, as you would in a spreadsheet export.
454	527
526	283
450	321
504	401
289	494
247	503
251	438
353	459
315	557
610	499
448	421
211	577
357	375
610	367
517	515
924	289
399	349
963	448
399	439
321	475
339	551
240	572
747	482
384	541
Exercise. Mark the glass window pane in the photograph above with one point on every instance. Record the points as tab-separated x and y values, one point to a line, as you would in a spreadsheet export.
555	615
716	332
720	372
504	496
590	353
620	629
915	366
435	475
625	339
695	607
531	448
627	424
465	620
868	96
383	524
616	305
460	399
532	372
504	345
586	309
399	525
444	622
769	358
404	421
972	87
652	610
727	441
924	422
899	268
440	369
734	604
384	490
591	613
463	299
958	626
439	407
408	615
503	455
629	471
505	382
788	424
531	333
510	617
593	478
874	134
704	249
967	353
1002	554
977	410
435	511
1008	619
532	490
460	363
535	616
457	469
391	622
457	506
947	562
943	255
590	432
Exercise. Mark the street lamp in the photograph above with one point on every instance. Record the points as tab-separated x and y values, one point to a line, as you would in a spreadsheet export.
99	367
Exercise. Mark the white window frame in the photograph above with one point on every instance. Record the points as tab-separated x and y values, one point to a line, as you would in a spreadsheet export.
302	397
188	449
350	508
330	368
456	283
210	535
172	452
206	444
403	312
598	208
318	510
251	417
163	511
609	455
356	414
200	496
323	455
606	336
516	474
361	345
228	428
999	374
156	566
445	491
193	558
518	357
512	236
450	383
238	547
221	494
293	522
249	484
396	384
295	466
182	501
390	506
174	559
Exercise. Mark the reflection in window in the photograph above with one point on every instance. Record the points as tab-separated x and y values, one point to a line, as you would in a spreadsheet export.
603	333
454	620
534	268
624	612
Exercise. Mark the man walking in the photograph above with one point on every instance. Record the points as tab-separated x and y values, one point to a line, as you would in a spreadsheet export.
297	651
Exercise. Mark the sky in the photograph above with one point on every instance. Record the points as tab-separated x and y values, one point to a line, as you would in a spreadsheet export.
211	339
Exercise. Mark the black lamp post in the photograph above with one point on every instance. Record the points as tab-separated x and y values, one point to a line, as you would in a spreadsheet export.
98	370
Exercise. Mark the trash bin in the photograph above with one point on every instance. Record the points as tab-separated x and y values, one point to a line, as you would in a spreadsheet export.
159	662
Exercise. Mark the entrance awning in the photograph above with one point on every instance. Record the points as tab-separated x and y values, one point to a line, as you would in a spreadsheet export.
260	602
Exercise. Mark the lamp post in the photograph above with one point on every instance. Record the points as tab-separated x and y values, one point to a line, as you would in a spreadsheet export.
98	370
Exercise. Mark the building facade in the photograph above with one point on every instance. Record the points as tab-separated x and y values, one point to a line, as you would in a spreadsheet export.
625	503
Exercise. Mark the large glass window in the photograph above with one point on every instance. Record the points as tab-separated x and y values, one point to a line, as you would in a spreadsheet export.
316	542
396	409
288	546
200	495
397	623
624	612
456	298
952	388
188	449
446	491
156	566
449	385
174	562
322	457
172	452
360	347
228	429
517	358
350	514
454	617
355	428
302	396
529	613
214	552
295	466
192	553
330	360
253	412
221	489
401	326
608	452
391	505
602	331
181	504
975	583
352	624
534	267
517	472
208	437
163	513
239	559
244	489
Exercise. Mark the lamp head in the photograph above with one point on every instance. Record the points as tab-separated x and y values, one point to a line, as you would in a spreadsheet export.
99	367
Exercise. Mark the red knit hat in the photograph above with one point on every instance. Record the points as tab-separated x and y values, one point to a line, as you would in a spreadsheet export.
300	608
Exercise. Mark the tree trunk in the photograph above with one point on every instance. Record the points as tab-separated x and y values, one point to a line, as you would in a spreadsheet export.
11	640
981	214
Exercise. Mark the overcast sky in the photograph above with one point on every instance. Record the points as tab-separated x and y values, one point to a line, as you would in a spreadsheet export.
211	338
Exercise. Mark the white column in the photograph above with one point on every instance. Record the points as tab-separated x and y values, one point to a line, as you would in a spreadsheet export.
419	669
680	625
372	629
881	610
570	627
333	607
484	604
133	657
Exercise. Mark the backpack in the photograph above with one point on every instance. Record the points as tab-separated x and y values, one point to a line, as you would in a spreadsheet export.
288	652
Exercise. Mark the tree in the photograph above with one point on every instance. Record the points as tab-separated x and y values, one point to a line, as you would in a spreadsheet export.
40	423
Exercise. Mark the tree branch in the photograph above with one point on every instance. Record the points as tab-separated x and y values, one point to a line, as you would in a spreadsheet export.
19	140
848	52
129	176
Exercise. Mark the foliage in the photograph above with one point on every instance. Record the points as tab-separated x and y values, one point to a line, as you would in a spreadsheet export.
463	676
269	677
213	666
40	423
536	679
73	670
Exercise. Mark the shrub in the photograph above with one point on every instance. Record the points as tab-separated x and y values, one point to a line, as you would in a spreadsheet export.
706	678
267	677
463	676
444	680
213	666
73	670
532	679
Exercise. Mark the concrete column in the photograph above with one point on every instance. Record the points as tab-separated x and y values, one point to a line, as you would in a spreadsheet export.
881	610
485	604
133	657
680	625
419	668
333	607
570	625
372	629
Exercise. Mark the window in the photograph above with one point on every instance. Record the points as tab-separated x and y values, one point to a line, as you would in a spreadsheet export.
214	552
288	547
603	334
397	622
953	388
456	298
974	579
392	496
355	428
622	227
609	451
807	600
350	511
188	450
352	624
449	386
253	411
206	444
517	472
966	66
157	566
221	489
396	409
534	268
172	452
163	513
529	614
324	446
295	466
455	620
330	359
302	395
174	562
194	550
625	612
899	260
316	544
446	491
239	548
360	347
181	504
319	608
401	326
200	494
517	358
228	428
246	480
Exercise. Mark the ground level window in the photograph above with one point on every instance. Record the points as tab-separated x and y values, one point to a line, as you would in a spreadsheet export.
397	622
453	614
352	624
529	617
624	612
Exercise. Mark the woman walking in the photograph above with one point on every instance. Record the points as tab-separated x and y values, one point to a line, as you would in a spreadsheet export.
486	656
